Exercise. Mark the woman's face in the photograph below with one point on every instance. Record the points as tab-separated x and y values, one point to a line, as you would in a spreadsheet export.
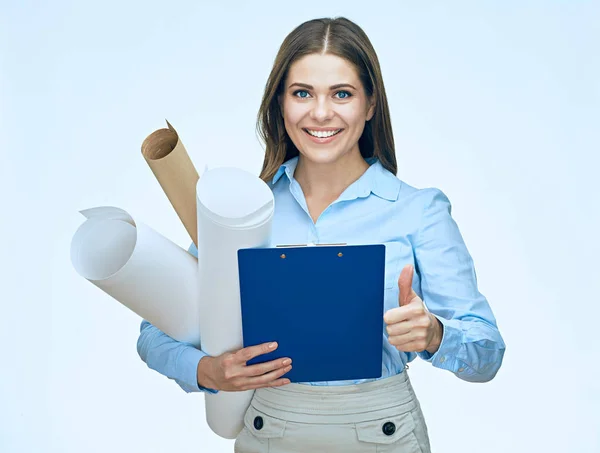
325	107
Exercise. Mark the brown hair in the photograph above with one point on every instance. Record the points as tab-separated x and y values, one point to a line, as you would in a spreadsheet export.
345	39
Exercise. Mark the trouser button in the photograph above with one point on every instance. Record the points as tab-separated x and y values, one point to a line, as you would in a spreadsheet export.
258	422
388	428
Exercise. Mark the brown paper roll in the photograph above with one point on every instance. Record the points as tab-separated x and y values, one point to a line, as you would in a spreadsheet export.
175	172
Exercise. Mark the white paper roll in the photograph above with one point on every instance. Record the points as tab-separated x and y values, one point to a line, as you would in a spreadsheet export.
235	210
141	269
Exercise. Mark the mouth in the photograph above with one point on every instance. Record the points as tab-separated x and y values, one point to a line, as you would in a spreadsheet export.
322	134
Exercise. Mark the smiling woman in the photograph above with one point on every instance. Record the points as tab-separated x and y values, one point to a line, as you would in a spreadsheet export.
330	162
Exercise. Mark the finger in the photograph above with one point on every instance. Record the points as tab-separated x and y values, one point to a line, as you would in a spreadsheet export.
266	379
279	382
396	315
399	328
248	353
407	294
411	346
275	383
403	339
266	367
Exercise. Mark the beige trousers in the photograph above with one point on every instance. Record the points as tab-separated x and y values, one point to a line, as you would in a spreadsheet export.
379	416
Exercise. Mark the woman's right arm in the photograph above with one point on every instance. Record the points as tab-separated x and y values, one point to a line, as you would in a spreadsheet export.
171	358
183	362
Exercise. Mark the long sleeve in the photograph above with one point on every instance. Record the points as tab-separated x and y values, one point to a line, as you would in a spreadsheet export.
171	358
472	347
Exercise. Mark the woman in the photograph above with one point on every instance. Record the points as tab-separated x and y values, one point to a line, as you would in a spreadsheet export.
330	161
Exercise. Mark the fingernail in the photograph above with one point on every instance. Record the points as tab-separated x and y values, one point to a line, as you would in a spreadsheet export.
272	345
287	361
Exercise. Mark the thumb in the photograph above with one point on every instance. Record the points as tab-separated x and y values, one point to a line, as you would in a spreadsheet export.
407	294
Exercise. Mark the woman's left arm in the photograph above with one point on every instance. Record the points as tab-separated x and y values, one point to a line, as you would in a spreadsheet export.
471	346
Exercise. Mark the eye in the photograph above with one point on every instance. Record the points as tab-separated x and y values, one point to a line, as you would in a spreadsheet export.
343	94
303	94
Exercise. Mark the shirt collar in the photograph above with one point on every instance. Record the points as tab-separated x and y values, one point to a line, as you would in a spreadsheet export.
287	168
376	179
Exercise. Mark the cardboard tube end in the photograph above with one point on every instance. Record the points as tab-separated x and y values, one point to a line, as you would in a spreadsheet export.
160	143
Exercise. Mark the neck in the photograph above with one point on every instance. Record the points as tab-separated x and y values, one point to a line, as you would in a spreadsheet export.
326	182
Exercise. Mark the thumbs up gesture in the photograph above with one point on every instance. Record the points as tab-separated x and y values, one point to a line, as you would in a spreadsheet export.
411	327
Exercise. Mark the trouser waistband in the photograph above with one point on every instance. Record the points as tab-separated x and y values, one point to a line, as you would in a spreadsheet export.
332	404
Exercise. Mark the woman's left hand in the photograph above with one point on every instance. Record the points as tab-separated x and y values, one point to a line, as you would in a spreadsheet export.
411	327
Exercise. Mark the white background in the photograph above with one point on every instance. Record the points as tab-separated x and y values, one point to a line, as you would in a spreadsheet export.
495	103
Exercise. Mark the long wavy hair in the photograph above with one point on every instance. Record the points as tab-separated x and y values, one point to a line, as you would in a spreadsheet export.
343	38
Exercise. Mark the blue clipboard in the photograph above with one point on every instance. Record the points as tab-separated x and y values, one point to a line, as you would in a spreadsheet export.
322	304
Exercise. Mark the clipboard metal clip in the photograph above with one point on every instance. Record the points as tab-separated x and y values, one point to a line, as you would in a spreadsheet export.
312	244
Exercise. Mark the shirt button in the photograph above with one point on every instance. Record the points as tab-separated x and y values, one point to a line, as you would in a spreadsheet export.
442	359
258	423
461	369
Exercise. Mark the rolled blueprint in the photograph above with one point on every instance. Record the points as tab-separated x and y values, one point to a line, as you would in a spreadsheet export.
141	269
175	172
235	210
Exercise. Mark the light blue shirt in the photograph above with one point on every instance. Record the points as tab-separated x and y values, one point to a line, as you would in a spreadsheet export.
417	228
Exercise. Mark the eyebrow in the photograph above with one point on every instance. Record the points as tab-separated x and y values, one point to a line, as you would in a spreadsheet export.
332	87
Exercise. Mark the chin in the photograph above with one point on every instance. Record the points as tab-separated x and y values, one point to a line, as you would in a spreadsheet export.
321	156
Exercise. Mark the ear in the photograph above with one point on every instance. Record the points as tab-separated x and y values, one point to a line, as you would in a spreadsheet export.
372	106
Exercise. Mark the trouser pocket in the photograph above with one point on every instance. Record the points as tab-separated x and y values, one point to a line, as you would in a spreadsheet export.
396	433
259	429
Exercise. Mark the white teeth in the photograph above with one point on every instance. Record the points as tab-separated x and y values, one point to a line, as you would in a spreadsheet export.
322	134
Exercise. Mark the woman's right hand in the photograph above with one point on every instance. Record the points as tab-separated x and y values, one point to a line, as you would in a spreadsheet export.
229	372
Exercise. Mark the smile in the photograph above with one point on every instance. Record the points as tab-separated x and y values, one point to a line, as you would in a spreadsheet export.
323	134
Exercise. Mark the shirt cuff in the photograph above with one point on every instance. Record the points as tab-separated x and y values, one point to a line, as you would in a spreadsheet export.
452	355
452	338
188	361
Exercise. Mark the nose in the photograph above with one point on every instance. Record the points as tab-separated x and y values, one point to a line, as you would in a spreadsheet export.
321	110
